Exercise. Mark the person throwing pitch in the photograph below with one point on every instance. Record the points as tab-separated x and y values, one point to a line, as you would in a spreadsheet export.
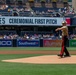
64	30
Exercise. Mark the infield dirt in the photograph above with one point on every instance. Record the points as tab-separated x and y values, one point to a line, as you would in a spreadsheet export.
52	58
52	52
45	59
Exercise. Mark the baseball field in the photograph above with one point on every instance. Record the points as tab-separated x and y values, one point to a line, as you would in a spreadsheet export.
18	68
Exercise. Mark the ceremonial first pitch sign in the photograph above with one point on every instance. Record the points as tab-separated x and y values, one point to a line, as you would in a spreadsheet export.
31	21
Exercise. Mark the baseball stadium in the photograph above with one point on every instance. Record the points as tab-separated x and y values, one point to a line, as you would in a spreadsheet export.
32	37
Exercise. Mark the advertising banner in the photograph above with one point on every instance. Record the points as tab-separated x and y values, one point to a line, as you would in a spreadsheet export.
28	43
52	43
47	21
73	21
72	43
6	43
68	20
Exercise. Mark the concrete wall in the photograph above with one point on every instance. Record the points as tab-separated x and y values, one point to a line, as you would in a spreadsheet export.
74	4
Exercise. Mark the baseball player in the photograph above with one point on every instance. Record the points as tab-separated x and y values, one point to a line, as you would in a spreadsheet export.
64	30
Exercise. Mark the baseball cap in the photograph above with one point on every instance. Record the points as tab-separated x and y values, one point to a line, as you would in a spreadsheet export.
64	22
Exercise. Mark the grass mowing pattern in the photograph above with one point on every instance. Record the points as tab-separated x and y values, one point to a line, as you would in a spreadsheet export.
33	69
28	48
34	48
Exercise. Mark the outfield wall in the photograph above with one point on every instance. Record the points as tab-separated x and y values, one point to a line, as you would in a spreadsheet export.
35	43
6	43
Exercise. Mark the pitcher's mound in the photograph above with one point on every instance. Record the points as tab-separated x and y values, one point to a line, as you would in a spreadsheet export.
47	59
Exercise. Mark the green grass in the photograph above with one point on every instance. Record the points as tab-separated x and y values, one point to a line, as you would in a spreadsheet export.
13	56
33	48
33	69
